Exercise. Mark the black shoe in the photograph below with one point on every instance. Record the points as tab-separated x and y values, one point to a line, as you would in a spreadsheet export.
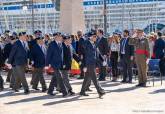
16	90
71	92
114	80
102	79
11	86
143	85
7	81
123	81
44	90
139	85
36	89
89	90
20	86
83	94
130	82
101	94
26	91
51	93
65	95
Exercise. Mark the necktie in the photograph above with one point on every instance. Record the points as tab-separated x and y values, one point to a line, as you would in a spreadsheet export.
24	45
94	47
43	50
123	46
61	51
59	45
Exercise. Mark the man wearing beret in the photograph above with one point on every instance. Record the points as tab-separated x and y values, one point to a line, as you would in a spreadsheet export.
18	60
54	59
91	56
7	50
69	54
38	56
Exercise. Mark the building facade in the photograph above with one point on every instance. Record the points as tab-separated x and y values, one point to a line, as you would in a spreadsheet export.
18	15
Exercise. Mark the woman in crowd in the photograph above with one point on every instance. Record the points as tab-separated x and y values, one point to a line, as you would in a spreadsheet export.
114	44
74	42
47	40
151	45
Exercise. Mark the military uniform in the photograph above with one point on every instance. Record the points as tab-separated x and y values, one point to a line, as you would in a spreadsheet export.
141	56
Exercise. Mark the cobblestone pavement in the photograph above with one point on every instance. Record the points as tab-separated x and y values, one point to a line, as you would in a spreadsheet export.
119	99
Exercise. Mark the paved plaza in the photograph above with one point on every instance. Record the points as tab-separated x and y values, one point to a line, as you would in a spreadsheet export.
119	99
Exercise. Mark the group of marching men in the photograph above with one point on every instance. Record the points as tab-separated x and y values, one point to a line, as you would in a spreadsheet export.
57	54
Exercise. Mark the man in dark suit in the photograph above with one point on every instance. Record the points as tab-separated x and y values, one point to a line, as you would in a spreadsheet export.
126	55
38	56
159	47
1	64
81	52
67	61
31	43
159	51
102	45
18	60
91	56
7	50
54	59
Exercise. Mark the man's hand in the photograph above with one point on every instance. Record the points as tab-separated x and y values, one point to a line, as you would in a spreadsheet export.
64	66
85	69
47	67
81	57
132	58
147	61
104	63
32	62
9	66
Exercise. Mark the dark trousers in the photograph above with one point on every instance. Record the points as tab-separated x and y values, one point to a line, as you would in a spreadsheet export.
81	68
114	63
66	79
38	77
12	78
102	72
91	75
1	81
57	78
32	80
127	68
9	75
162	66
19	74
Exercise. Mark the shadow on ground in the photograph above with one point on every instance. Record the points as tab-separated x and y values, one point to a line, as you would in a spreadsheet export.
158	91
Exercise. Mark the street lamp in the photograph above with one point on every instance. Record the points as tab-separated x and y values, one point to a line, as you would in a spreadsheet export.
32	4
105	16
